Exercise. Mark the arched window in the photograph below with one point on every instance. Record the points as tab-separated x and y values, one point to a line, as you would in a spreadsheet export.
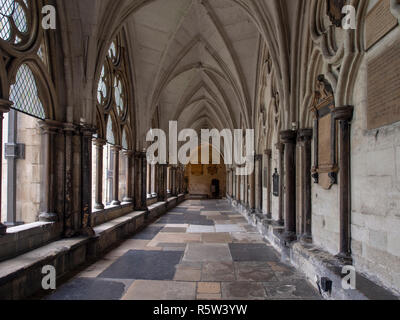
113	98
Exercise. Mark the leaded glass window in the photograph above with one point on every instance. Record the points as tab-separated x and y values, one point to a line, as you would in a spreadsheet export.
24	94
110	131
124	140
119	95
14	25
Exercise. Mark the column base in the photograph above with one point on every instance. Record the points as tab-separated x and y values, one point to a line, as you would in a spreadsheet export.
99	206
345	258
88	232
3	229
48	217
306	239
127	200
289	236
13	224
116	203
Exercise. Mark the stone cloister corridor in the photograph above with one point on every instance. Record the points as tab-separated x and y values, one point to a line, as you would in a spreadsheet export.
199	150
200	250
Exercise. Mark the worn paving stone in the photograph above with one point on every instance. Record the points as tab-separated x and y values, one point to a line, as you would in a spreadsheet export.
175	238
252	252
200	229
207	253
187	274
208	288
243	291
209	297
254	271
243	237
218	271
144	265
216	238
148	234
228	228
294	289
161	290
91	289
173	230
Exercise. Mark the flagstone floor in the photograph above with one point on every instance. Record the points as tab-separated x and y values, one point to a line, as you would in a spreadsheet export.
200	250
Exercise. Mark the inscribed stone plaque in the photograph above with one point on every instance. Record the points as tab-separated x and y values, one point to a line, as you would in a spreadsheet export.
324	141
379	22
384	88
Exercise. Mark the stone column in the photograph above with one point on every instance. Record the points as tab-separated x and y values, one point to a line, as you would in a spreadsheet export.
344	115
128	154
173	181
233	183
71	217
238	193
288	138
86	183
99	144
305	136
4	108
268	154
281	150
115	151
49	130
163	182
258	183
253	186
140	181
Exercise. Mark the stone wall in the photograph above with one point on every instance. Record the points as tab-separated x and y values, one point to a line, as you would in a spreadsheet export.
201	185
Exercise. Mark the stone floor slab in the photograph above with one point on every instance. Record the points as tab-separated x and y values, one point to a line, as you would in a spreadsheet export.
91	289
218	271
207	253
161	290
243	291
144	265
200	229
252	252
228	228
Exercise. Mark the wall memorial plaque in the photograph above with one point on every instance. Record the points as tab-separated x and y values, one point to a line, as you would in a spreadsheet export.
384	88
325	135
379	22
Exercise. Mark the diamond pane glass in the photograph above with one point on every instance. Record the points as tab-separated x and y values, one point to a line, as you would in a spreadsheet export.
20	18
119	95
102	89
24	94
124	140
112	52
110	132
7	7
5	28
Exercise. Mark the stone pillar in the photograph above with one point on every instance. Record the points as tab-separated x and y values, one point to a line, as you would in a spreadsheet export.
288	138
281	150
163	182
233	183
49	130
140	181
258	183
238	193
71	217
115	151
305	136
344	115
173	181
268	154
128	154
253	186
4	108
99	144
86	183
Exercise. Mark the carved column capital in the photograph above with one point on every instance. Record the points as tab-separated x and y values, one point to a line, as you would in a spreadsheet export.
280	147
51	126
305	135
258	157
98	142
5	105
128	153
288	137
268	153
343	113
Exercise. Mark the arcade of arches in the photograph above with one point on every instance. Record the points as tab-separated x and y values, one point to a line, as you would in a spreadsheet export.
77	102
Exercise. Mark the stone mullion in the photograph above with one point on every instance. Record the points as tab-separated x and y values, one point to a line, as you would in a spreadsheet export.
344	116
115	152
99	143
289	139
4	108
129	168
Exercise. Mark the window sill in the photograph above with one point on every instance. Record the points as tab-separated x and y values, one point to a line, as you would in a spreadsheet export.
110	213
